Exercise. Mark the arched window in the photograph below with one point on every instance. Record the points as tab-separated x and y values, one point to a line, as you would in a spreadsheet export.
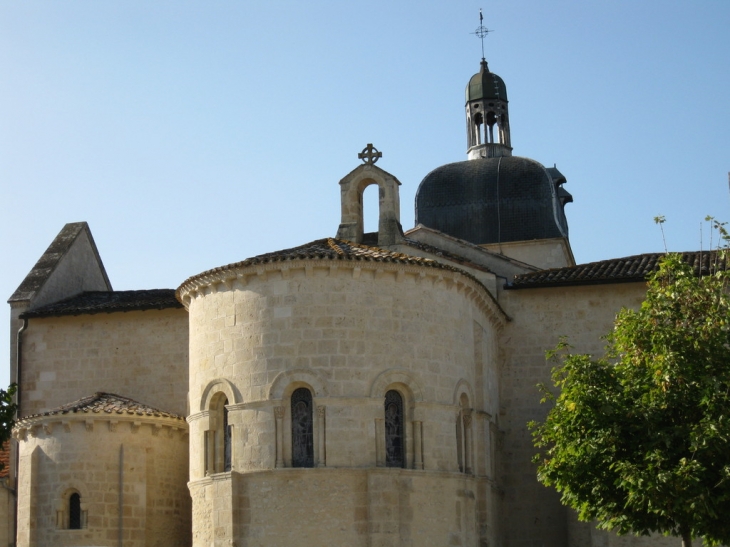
218	437
478	122
463	435
74	511
302	428
395	453
70	512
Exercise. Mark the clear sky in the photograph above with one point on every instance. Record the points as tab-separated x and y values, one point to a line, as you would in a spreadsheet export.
192	134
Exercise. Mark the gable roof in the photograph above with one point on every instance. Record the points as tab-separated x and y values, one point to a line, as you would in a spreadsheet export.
108	302
616	270
106	403
47	263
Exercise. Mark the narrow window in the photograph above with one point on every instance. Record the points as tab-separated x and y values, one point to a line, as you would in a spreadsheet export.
302	431
463	435
460	441
217	440
478	122
74	511
226	439
394	438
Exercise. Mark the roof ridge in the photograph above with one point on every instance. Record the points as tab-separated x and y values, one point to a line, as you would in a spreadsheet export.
107	403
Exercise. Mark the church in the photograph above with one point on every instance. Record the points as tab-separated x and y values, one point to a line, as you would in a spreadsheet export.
363	389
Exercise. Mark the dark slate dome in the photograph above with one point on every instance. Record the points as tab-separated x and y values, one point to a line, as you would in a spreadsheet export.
493	200
485	85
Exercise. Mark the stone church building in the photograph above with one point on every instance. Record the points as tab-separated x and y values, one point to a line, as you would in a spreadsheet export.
360	390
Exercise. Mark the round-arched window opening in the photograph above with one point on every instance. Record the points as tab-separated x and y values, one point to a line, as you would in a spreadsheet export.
74	511
302	428
395	454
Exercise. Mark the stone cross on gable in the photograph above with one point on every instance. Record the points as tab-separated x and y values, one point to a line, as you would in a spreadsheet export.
370	154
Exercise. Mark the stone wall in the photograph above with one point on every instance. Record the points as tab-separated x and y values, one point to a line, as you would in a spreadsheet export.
353	507
7	513
540	317
348	333
142	355
93	456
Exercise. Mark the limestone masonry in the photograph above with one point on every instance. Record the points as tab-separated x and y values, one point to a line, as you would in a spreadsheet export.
361	390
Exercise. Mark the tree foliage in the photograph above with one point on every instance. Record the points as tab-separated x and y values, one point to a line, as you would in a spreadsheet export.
639	440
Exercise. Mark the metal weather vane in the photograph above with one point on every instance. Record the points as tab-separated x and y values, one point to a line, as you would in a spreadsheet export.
481	30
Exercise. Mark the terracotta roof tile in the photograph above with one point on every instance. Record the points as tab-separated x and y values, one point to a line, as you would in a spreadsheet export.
109	301
335	249
617	270
330	249
107	403
5	461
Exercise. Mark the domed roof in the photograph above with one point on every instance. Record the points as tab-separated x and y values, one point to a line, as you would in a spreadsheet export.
486	85
493	200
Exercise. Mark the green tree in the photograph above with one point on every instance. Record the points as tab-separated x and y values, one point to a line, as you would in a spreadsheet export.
639	440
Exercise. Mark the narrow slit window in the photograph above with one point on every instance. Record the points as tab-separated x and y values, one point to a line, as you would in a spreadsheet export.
394	431
302	428
74	511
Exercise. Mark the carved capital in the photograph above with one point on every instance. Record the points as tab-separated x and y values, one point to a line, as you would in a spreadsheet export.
279	412
321	410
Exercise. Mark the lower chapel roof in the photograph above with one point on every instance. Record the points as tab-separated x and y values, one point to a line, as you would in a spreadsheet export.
616	270
106	403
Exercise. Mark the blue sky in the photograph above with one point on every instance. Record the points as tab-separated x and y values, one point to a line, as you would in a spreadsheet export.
194	134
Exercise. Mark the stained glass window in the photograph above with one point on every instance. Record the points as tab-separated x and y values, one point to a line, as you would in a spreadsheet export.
302	431
74	511
394	434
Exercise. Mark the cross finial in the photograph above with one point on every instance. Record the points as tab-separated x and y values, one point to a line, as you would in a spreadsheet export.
481	31
370	154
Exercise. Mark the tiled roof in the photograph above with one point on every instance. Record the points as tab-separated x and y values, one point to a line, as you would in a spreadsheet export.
108	302
106	403
617	270
334	249
330	249
5	461
43	269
